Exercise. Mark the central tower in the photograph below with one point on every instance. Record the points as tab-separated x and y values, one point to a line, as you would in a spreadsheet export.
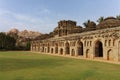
65	27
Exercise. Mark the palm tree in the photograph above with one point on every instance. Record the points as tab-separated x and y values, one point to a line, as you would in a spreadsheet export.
86	23
100	19
118	17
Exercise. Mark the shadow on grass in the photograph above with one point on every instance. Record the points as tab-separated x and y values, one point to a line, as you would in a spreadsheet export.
9	64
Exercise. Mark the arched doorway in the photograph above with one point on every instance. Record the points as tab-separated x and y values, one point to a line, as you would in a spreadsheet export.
61	51
80	48
52	50
73	52
67	48
56	48
98	49
48	49
110	55
42	49
87	53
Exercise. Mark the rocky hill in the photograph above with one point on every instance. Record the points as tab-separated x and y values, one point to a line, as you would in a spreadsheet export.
24	33
23	36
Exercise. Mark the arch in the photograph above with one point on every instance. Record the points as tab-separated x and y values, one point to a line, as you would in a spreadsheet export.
80	48
52	50
67	48
73	52
98	49
43	49
87	53
61	51
90	43
113	42
109	55
109	43
85	43
105	42
48	49
56	48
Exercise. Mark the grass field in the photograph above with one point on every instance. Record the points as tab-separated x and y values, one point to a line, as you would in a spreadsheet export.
30	66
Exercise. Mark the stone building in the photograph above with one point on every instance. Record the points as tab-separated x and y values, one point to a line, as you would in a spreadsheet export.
67	27
100	41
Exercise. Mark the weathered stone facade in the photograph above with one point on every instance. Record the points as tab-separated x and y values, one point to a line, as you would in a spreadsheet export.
99	43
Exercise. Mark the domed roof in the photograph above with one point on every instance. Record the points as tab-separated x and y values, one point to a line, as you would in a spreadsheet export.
108	23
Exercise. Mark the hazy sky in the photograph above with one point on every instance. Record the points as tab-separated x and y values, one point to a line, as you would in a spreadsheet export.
43	15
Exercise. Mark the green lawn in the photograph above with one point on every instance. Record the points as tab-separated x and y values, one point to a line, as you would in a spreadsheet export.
31	66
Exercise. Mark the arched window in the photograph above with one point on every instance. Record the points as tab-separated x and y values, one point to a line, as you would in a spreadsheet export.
84	43
109	43
105	42
90	43
87	43
113	42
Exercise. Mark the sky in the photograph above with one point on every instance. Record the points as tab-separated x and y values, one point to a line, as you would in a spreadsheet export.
43	15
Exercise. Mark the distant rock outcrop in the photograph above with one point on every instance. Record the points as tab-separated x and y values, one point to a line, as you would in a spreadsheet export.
23	36
24	33
16	31
29	34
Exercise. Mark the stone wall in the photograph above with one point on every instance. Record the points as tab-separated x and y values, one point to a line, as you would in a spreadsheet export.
101	44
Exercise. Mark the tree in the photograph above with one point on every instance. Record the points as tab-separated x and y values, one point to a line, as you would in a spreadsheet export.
6	42
14	35
28	44
10	43
89	24
118	17
86	23
2	40
100	19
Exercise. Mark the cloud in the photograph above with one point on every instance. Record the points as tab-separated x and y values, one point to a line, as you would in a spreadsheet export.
44	11
19	17
9	19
